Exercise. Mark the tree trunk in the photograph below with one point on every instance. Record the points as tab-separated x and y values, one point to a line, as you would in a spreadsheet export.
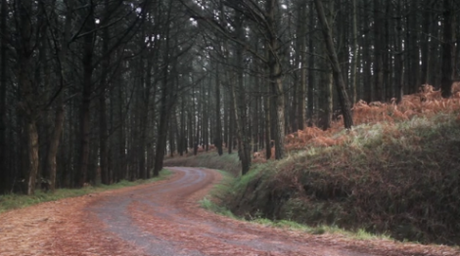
413	53
28	104
87	85
378	52
103	136
327	101
302	57
32	149
4	173
355	50
183	138
337	72
447	49
275	78
240	104
398	62
267	125
54	144
218	134
311	65
103	141
425	51
367	61
231	122
161	138
166	103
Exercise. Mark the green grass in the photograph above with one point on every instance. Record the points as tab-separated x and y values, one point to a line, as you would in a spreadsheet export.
209	205
217	194
15	201
322	229
229	184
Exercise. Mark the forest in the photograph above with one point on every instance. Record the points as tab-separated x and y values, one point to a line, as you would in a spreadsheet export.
98	91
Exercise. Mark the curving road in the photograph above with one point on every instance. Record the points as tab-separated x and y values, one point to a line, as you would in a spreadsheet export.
165	220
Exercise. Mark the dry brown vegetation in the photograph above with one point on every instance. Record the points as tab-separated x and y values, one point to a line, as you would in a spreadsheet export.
396	172
428	102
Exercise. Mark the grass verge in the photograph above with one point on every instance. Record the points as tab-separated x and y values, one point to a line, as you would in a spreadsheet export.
229	184
397	179
15	201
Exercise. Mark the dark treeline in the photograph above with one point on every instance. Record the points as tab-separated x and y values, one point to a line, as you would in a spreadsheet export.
99	91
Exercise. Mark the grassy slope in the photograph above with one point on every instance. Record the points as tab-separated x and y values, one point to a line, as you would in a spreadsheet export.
395	173
14	201
401	180
397	179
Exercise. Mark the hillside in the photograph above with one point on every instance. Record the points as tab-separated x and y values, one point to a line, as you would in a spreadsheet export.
396	173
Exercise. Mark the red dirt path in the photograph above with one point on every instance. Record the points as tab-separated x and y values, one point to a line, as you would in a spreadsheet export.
163	219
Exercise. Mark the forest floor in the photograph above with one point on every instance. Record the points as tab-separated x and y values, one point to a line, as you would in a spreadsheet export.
164	218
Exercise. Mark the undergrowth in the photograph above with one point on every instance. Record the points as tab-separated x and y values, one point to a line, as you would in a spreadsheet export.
215	202
399	179
426	103
15	201
396	173
228	162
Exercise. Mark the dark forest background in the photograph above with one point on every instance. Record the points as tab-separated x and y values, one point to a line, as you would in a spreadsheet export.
96	91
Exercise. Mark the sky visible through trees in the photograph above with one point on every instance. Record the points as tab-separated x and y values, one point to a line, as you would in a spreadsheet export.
99	91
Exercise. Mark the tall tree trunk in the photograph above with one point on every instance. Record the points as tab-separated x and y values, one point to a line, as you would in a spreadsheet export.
268	137
367	61
355	51
54	143
121	137
32	149
276	84
183	138
231	121
413	53
190	123
327	101
28	104
447	49
398	62
145	171
302	59
218	134
311	65
87	88
162	133
378	52
103	141
240	104
103	136
337	72
172	133
4	173
166	103
425	51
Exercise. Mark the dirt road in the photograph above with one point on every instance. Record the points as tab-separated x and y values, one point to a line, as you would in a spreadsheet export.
164	219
